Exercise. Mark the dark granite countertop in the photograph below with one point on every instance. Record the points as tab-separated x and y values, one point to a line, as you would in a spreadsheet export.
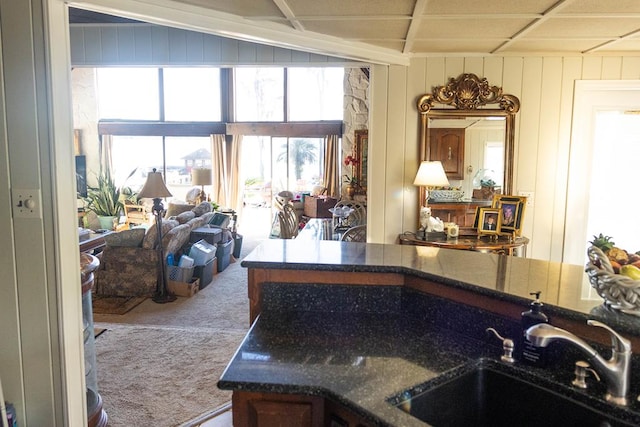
359	349
565	288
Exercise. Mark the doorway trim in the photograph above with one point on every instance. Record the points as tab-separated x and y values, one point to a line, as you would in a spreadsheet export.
590	96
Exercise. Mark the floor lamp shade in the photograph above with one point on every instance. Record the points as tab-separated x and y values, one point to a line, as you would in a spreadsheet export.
154	188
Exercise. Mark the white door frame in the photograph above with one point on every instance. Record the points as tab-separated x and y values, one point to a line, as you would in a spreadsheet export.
590	97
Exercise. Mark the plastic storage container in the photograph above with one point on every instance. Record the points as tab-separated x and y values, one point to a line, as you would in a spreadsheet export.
202	252
205	273
224	255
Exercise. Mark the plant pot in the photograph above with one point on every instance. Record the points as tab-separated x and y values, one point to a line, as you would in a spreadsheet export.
349	191
107	222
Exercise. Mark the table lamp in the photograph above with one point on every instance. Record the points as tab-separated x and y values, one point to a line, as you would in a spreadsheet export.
430	174
155	189
202	177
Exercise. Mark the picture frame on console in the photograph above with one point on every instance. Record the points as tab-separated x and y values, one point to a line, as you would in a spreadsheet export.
511	210
488	221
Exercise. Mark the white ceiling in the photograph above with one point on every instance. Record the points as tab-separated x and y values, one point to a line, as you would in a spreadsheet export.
409	28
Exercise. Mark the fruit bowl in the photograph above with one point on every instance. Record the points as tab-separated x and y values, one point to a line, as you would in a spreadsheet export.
446	195
620	292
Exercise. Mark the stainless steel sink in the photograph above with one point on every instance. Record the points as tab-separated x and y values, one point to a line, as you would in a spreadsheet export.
488	397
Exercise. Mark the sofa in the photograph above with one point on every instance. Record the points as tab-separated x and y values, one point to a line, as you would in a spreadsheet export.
128	262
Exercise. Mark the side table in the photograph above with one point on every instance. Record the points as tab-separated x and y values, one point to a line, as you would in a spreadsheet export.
503	245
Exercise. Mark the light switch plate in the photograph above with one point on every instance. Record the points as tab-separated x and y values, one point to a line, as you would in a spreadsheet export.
26	204
529	195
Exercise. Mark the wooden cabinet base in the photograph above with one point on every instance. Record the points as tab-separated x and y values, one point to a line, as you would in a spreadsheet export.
289	410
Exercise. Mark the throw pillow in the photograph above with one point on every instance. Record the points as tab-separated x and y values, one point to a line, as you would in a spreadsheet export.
185	217
202	208
131	238
149	241
176	209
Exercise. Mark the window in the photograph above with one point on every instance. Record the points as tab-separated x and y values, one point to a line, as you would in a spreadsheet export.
163	118
192	94
315	93
128	93
259	94
275	164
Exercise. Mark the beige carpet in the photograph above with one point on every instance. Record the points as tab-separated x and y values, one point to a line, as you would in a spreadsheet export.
159	364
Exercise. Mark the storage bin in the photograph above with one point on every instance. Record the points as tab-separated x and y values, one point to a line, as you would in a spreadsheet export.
202	252
237	246
205	272
224	255
179	274
212	235
182	289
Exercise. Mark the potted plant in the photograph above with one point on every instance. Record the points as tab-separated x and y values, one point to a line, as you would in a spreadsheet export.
351	181
104	200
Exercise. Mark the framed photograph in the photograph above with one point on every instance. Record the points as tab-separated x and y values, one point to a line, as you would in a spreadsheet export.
361	146
489	221
511	213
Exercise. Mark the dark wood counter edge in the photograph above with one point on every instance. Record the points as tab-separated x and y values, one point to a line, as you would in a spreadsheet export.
493	301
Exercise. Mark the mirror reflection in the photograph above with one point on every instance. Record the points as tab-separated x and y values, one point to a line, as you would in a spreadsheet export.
473	139
482	158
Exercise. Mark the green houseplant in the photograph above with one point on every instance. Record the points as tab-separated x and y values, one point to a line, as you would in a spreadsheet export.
104	199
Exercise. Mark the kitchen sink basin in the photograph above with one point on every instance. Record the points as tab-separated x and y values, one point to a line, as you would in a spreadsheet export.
487	397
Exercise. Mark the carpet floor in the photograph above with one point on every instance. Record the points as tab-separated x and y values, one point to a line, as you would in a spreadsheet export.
158	364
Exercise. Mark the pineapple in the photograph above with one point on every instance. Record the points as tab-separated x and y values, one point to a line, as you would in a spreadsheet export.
602	242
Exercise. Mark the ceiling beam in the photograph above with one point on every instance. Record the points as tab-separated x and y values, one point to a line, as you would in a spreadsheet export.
180	15
416	20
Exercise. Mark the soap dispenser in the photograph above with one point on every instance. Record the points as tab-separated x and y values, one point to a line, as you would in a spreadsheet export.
531	354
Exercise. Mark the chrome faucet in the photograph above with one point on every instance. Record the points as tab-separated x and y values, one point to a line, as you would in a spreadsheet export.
615	371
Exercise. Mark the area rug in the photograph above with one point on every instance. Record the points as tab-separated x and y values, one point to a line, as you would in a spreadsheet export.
114	305
162	376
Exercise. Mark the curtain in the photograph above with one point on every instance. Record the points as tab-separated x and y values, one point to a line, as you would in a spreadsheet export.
226	156
105	154
218	164
233	178
332	165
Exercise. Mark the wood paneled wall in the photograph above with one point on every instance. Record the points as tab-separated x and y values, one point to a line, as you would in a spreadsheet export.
148	44
543	133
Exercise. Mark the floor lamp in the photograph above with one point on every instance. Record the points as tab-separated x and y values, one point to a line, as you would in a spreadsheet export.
202	177
155	189
430	174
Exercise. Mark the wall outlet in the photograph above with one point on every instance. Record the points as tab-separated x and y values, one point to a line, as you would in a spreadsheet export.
528	195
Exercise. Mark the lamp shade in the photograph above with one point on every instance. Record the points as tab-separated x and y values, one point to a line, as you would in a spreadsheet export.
201	176
431	174
154	188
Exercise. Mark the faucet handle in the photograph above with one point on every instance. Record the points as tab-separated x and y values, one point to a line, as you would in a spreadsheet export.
619	343
507	347
581	371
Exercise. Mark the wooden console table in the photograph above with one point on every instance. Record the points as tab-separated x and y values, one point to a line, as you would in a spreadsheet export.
95	241
504	246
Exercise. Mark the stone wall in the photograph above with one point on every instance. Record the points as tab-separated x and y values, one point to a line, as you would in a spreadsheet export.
356	110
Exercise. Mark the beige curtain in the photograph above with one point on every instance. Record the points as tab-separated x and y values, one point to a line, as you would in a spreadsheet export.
332	165
219	166
225	161
105	153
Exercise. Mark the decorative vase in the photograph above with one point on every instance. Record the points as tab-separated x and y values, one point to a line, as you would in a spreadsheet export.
349	191
107	222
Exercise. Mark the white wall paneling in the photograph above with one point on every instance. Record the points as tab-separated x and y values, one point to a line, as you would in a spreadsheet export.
543	131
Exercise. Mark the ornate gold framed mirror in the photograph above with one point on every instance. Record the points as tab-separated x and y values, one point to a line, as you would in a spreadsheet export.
466	103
